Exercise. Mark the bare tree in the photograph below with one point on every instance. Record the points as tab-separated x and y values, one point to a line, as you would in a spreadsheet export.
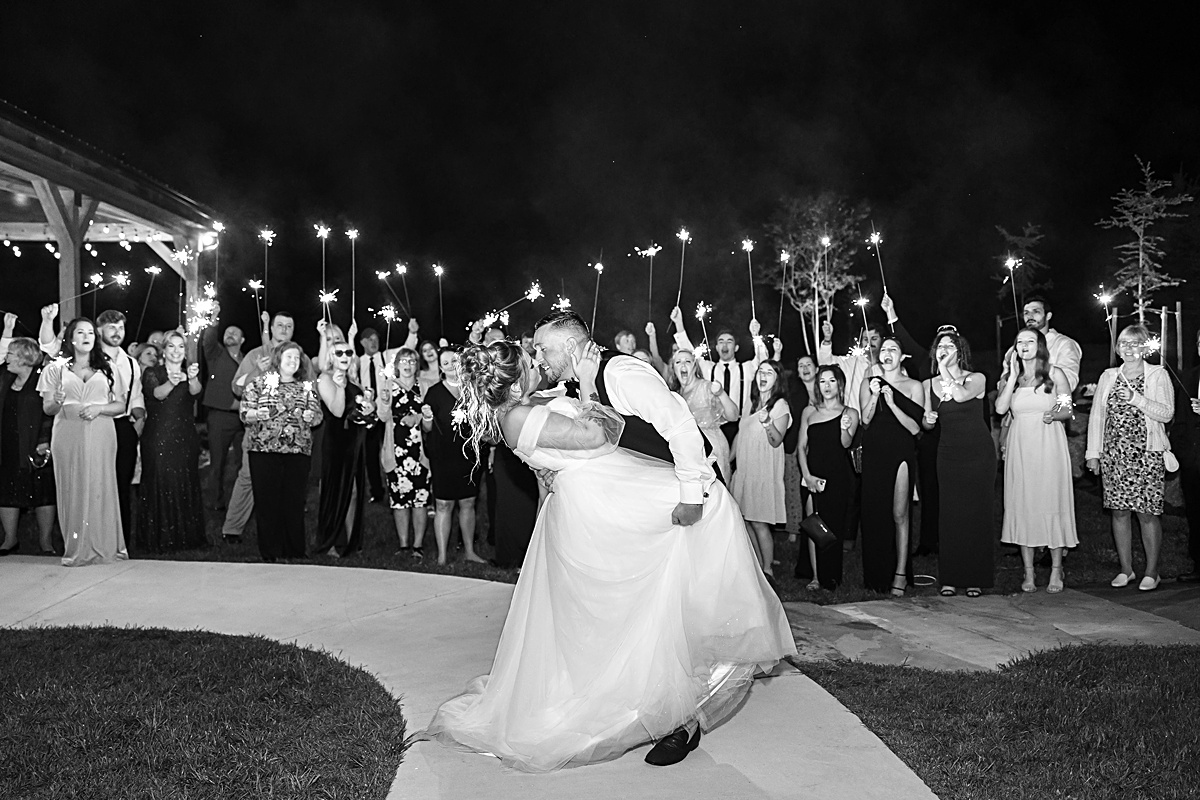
1138	211
1021	246
821	235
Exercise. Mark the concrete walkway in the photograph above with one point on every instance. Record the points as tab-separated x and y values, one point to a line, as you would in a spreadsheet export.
424	636
961	633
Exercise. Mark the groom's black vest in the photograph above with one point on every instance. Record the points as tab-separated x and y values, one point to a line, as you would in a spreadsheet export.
639	436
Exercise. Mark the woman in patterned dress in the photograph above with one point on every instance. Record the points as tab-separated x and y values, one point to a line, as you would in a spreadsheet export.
1126	443
408	484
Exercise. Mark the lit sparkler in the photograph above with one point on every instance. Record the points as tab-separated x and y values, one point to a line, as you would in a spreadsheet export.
1012	263
402	271
599	267
702	311
268	238
748	246
153	272
684	237
875	240
352	235
439	271
649	252
563	304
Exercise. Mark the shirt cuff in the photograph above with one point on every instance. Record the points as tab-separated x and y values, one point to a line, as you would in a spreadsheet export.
691	493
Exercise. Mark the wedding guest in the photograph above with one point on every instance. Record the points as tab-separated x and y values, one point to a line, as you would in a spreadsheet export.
966	466
857	364
757	483
431	371
709	404
656	359
222	356
279	409
1039	499
408	482
172	505
84	393
281	327
1126	442
892	407
736	377
802	393
26	477
110	326
328	335
1185	443
827	428
347	411
147	356
1065	352
451	463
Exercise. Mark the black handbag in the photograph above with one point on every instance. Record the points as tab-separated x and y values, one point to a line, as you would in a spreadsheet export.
815	528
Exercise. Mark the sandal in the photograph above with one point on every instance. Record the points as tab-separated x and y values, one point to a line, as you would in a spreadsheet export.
813	585
418	554
1054	587
973	592
1028	585
898	591
948	591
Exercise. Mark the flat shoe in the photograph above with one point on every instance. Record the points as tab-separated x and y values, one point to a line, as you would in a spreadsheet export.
7	551
673	748
1148	584
1122	580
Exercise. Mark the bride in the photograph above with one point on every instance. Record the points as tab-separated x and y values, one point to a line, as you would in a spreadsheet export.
623	628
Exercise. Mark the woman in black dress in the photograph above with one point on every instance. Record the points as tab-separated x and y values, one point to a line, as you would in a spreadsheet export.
826	431
892	407
172	506
966	467
451	462
347	412
26	478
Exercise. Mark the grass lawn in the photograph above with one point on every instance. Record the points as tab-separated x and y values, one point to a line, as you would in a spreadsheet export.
1089	721
117	713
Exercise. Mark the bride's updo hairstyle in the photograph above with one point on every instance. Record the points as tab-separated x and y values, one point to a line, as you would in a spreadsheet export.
488	373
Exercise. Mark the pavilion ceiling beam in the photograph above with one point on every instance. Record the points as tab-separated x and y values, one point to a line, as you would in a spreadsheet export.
69	223
167	254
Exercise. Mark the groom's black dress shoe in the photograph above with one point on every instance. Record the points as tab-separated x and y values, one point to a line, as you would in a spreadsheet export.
673	748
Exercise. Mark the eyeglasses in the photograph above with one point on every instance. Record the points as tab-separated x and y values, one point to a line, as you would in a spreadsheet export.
343	352
406	361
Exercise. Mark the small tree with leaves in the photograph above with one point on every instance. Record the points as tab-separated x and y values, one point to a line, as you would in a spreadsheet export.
1138	211
821	235
1025	278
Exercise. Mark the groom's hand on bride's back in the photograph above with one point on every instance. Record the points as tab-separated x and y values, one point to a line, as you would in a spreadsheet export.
687	514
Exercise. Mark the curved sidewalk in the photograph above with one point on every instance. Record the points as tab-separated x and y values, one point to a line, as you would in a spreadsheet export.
423	636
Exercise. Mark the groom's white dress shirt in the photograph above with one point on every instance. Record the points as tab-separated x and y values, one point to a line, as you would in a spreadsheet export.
634	388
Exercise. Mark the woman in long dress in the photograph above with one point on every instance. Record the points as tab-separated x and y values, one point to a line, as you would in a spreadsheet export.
709	404
172	505
1039	501
83	393
347	411
966	467
892	407
826	432
623	627
802	393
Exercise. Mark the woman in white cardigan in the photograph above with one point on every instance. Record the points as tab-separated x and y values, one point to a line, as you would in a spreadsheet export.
1126	444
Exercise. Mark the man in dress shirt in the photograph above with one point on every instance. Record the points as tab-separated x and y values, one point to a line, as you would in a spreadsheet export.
1065	352
111	327
223	357
374	371
735	377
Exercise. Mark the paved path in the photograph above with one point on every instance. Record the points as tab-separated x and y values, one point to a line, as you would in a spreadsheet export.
424	636
952	633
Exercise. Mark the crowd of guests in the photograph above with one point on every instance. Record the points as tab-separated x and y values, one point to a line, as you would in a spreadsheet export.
104	439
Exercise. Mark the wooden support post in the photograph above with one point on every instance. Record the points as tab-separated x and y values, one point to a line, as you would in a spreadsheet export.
1179	335
70	223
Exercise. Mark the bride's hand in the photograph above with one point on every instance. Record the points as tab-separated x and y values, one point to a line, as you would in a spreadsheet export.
586	361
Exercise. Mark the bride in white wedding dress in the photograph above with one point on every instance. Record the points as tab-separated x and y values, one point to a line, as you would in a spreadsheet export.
623	627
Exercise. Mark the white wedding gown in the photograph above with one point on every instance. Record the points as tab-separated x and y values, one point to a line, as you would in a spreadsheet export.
622	627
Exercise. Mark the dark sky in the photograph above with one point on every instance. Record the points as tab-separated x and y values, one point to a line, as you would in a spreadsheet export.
519	140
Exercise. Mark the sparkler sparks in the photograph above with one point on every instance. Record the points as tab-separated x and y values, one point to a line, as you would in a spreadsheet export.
563	304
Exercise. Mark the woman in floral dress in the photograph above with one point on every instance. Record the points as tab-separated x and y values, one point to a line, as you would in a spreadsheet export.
408	484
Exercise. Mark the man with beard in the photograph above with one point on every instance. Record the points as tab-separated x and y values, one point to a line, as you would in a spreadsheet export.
735	377
224	427
1065	352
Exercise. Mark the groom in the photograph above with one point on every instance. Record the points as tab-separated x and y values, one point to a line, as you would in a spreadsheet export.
658	423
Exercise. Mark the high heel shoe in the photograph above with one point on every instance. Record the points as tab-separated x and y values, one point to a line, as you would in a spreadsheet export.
1028	584
1055	586
898	591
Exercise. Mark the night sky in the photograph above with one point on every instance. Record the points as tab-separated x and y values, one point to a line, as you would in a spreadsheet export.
512	141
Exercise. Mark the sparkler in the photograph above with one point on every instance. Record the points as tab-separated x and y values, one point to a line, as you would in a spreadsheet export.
440	271
535	291
822	270
650	252
702	311
862	303
783	261
322	234
352	234
599	267
268	238
203	310
683	237
383	276
748	246
402	271
219	227
875	240
255	286
1012	264
388	313
152	271
563	304
325	299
